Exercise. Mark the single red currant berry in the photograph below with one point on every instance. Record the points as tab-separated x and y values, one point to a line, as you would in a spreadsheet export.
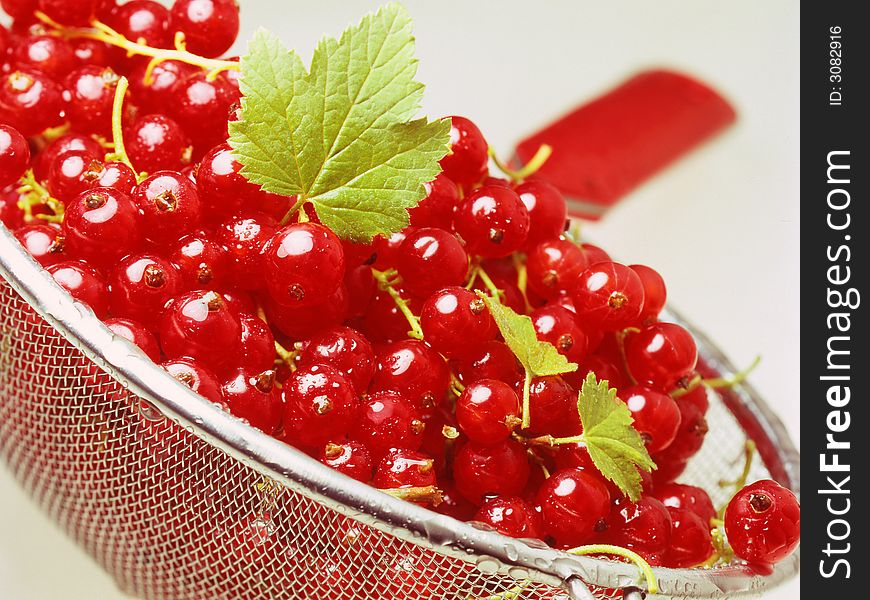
493	222
70	141
574	504
763	523
90	95
386	250
690	436
302	323
547	210
430	259
349	458
609	296
511	516
11	214
643	526
90	52
209	26
691	543
14	155
344	349
18	9
553	266
149	93
170	206
141	285
252	396
195	376
136	334
74	13
321	406
558	326
413	369
30	101
49	54
492	360
402	468
83	283
101	225
202	261
156	143
66	176
689	497
436	209
697	396
246	236
361	288
388	420
456	322
257	344
201	106
199	325
488	411
553	408
656	416
594	254
492	470
303	264
468	159
453	504
655	293
662	355
143	21
44	243
223	188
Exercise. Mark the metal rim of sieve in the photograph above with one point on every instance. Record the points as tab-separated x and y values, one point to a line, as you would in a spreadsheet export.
411	523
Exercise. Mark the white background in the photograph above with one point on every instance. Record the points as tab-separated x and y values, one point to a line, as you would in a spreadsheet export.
722	226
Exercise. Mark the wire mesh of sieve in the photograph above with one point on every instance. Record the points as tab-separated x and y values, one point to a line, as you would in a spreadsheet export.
176	499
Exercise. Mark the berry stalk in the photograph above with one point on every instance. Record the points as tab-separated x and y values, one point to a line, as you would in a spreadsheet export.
531	167
120	151
385	281
645	568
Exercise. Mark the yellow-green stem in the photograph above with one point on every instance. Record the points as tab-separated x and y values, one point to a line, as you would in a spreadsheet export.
531	167
120	150
386	284
527	400
645	569
522	280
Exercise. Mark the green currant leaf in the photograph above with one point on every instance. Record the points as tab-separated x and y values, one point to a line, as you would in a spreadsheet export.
537	357
342	136
614	445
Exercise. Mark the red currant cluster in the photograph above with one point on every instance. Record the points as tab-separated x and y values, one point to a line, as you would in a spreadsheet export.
382	360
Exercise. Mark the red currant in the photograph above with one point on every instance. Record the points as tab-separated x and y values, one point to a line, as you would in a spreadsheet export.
223	188
14	155
594	254
141	285
488	411
246	236
402	468
30	101
656	416
209	26
150	94
303	264
144	21
492	470
655	294
300	323
18	9
201	107
65	143
90	95
456	322
662	355
547	210
44	243
137	334
608	295
156	143
492	360
511	516
689	497
553	408
202	261
102	225
66	177
386	250
170	206
493	222
252	396
83	283
643	526
691	543
195	376
690	436
388	420
553	266
763	523
559	327
574	504
75	13
257	344
430	259
322	406
49	54
436	209
90	52
349	458
199	325
413	369
344	349
468	159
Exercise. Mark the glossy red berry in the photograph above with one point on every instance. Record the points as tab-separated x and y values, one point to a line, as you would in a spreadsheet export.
689	497
553	408
468	159
201	107
456	322
698	396
349	458
574	505
143	20
493	222
197	377
547	210
430	259
199	325
18	9
76	13
83	283
386	250
402	468
101	225
137	334
303	264
70	141
321	406
655	293
14	155
382	321
202	261
141	285
662	355
388	420
558	326
11	214
44	242
344	349
301	323
170	206
156	143
150	94
691	543
763	522
209	26
66	176
49	54
436	209
488	411
594	254
609	296
690	436
90	52
553	266
251	395
414	370
223	188
511	516
492	470
257	344
643	526
492	360
656	416
30	101
90	95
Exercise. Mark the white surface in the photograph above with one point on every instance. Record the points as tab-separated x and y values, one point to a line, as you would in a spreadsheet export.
722	226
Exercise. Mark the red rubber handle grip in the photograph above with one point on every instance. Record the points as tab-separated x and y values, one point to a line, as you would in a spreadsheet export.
604	149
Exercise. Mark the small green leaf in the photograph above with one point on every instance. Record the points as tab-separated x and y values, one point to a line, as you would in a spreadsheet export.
341	136
537	357
614	445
